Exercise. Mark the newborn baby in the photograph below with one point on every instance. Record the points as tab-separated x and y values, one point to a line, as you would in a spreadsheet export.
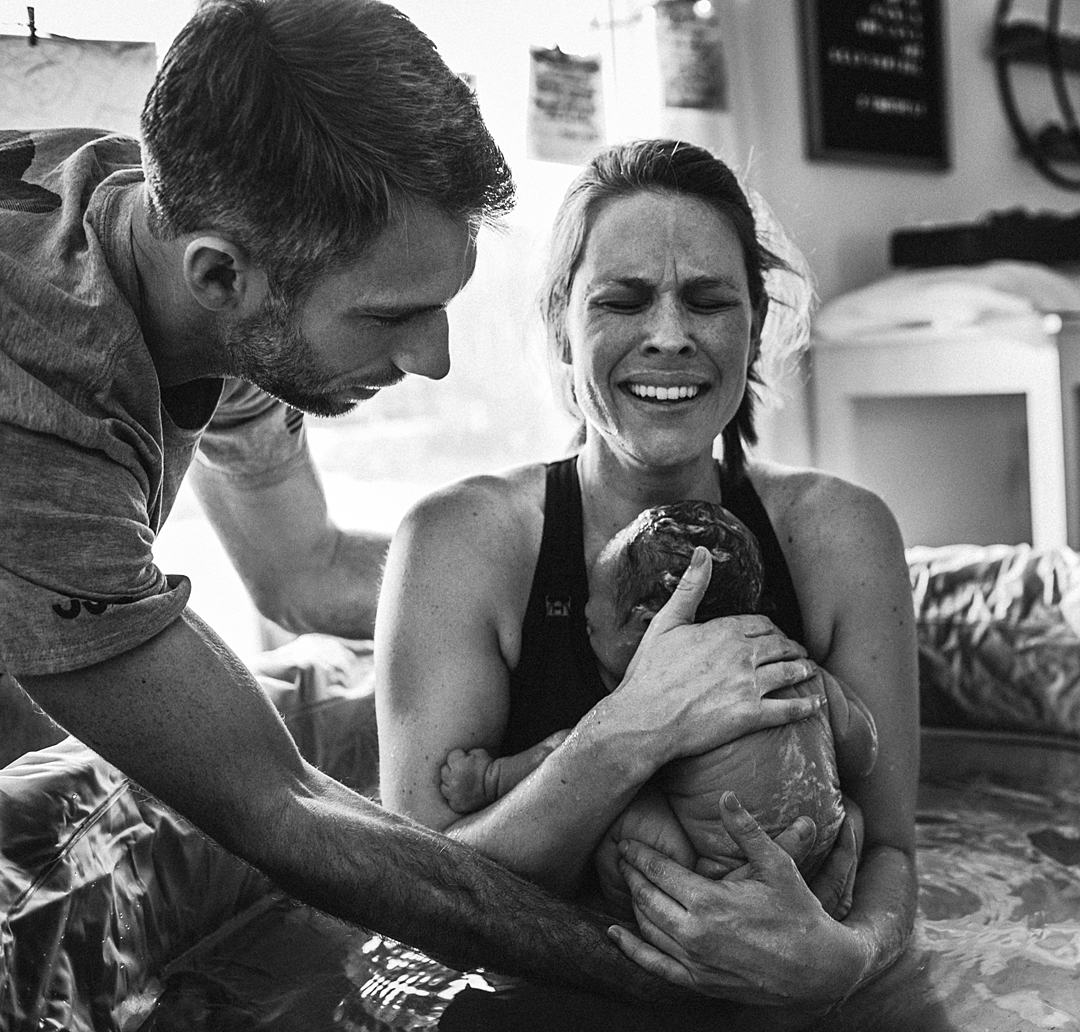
778	773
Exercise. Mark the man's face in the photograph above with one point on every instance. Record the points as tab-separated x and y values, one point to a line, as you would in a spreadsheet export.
364	326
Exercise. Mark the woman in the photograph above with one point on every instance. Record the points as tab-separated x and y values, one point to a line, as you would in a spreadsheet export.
654	304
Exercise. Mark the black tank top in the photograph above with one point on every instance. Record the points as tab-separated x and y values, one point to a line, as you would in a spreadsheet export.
556	680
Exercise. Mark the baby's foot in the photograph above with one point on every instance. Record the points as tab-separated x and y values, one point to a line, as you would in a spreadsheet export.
463	780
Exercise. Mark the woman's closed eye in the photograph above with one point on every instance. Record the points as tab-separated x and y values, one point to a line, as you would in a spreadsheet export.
622	302
709	301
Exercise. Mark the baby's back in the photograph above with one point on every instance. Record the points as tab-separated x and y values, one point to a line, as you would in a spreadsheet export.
778	774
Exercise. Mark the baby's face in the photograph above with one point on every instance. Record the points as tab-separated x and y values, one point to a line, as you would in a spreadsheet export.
613	641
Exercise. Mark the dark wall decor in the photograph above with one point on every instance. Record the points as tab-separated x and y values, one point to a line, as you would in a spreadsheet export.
1055	146
875	82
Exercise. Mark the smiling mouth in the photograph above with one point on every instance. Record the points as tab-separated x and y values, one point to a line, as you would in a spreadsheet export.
654	392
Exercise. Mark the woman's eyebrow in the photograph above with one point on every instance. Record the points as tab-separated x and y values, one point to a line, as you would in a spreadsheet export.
639	282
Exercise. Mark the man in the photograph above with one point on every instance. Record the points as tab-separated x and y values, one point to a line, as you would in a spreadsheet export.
303	209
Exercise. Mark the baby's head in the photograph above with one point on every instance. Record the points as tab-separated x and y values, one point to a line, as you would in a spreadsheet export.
638	569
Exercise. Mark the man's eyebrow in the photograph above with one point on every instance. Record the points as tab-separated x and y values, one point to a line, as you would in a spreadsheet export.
397	311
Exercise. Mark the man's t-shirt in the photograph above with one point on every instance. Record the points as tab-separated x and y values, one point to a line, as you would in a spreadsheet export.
90	457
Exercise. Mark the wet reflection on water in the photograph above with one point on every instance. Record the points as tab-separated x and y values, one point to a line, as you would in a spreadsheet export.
996	947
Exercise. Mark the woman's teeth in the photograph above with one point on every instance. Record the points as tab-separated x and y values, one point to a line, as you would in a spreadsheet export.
640	390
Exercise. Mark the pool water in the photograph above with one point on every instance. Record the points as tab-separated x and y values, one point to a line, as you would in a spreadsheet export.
996	946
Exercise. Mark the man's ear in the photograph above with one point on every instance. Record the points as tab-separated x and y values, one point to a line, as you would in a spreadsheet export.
220	276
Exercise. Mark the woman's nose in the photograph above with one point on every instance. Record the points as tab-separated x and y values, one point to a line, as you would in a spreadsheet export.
667	331
426	348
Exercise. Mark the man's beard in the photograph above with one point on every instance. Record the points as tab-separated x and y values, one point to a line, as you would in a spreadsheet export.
270	351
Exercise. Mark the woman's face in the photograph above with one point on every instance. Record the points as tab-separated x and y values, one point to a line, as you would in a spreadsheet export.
660	326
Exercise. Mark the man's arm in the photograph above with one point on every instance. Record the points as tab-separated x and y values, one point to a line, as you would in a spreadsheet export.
301	570
182	717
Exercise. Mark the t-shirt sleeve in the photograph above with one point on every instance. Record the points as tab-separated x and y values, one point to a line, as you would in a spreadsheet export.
78	584
253	438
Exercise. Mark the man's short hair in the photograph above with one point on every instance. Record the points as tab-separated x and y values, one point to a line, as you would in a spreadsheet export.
657	548
301	128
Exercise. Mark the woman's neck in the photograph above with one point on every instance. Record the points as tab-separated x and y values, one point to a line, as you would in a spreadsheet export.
615	488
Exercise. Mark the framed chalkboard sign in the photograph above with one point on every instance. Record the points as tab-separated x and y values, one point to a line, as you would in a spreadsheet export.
875	82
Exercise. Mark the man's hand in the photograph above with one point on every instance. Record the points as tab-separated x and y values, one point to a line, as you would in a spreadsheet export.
647	819
757	936
327	660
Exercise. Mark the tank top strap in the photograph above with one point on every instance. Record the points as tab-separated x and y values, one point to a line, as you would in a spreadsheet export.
779	599
562	546
556	679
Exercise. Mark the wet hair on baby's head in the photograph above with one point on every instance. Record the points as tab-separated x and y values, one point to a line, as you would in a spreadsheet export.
656	549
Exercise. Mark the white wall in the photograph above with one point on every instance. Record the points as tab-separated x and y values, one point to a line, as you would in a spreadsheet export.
842	215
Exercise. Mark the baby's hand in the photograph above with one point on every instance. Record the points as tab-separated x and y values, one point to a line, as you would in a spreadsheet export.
463	780
853	728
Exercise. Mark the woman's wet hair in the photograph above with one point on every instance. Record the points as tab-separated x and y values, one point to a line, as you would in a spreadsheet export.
654	165
301	128
655	550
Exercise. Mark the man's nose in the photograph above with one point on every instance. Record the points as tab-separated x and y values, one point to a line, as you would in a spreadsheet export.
426	349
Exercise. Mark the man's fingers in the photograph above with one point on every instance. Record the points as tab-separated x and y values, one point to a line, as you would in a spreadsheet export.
798	839
682	606
715	869
749	836
648	957
660	881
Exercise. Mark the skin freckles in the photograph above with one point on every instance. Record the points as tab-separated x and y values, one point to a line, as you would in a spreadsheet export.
669	309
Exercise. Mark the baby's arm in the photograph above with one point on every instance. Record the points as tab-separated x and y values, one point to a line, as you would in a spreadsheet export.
473	779
854	731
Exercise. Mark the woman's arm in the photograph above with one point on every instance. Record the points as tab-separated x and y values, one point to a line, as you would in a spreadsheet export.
847	560
450	614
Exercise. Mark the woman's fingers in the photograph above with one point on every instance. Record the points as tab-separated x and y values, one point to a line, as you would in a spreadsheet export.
773	676
681	608
774	712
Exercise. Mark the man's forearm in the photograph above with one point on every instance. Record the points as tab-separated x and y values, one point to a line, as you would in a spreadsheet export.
447	899
181	716
337	595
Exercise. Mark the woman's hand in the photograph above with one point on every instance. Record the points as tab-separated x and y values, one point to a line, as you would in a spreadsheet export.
758	936
700	686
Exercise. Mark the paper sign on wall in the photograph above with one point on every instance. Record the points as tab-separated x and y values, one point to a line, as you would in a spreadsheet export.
565	119
689	45
59	82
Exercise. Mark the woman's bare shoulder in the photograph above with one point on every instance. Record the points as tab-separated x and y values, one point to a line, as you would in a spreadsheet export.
493	517
463	557
816	512
842	546
490	497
